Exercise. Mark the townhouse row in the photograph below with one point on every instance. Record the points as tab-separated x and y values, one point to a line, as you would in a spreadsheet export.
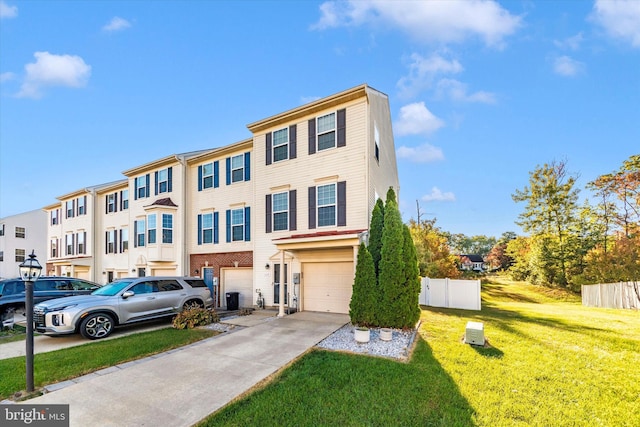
281	213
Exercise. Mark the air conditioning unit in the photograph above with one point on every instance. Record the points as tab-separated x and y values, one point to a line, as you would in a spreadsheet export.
474	333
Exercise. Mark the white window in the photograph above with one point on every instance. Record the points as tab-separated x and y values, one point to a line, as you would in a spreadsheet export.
140	232
54	248
281	144
207	228
69	206
326	129
20	232
207	175
111	241
237	168
111	203
237	225
167	228
141	186
163	181
151	233
125	199
280	203
19	255
54	217
82	209
82	248
69	244
326	205
124	239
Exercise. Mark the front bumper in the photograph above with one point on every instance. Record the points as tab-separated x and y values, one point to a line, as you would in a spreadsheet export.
53	323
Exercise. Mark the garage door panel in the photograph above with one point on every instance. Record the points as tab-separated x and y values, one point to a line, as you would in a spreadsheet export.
239	280
328	286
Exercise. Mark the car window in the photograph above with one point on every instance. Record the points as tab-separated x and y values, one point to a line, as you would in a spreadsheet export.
13	287
45	285
196	283
112	288
81	285
63	285
145	287
169	285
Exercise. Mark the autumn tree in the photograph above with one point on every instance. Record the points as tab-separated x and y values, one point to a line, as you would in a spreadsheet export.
549	216
434	257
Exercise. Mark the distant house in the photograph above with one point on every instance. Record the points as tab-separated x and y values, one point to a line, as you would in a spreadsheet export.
472	263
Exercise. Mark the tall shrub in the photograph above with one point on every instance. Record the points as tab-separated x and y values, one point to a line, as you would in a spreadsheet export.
411	291
375	233
391	277
362	308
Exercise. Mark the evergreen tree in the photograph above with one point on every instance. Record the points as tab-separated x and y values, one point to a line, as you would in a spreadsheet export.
391	277
411	295
362	308
375	233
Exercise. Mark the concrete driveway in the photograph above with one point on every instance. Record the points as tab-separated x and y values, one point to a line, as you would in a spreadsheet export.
183	386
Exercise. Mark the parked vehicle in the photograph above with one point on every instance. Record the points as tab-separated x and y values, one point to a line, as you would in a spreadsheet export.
122	302
13	295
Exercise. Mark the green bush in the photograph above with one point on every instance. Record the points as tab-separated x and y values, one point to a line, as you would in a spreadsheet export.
362	308
198	316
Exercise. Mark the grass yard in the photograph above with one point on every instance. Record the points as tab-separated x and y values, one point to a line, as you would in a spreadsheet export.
552	362
60	365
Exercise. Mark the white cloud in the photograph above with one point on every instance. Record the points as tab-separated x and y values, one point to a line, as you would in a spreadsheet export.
619	18
572	43
457	91
423	71
53	70
116	24
7	11
417	119
425	153
437	195
426	21
566	66
5	77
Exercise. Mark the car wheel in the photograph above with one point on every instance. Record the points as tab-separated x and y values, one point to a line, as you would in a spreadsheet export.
96	326
192	304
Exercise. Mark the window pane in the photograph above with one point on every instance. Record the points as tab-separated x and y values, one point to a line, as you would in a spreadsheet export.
281	221
326	123
280	153
238	233
281	137
237	162
207	182
237	175
207	220
237	217
207	169
151	221
207	236
326	194
327	140
327	215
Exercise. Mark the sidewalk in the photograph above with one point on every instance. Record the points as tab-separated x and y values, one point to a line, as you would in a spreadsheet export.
183	386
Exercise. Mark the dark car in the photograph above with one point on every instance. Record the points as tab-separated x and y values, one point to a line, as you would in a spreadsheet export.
13	295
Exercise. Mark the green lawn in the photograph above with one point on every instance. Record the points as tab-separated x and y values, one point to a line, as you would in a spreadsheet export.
551	362
60	365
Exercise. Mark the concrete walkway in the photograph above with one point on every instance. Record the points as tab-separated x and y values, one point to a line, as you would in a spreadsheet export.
183	386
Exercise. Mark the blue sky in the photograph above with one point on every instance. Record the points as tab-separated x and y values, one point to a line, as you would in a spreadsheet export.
481	92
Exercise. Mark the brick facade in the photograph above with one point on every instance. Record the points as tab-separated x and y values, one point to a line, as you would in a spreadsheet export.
219	260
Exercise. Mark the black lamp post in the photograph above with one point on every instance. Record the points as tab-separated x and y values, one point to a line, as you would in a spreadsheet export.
30	271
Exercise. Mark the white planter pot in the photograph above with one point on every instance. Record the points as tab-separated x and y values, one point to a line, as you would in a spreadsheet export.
362	335
386	334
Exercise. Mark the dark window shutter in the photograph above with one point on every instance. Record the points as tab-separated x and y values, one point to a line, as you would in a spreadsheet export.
247	224
228	170
215	228
73	244
119	240
135	188
199	229
292	210
312	207
216	174
135	234
84	239
115	202
267	217
169	179
121	204
247	166
106	204
85	205
312	136
342	203
200	178
342	128
228	225
156	183
268	146
106	242
293	151
147	192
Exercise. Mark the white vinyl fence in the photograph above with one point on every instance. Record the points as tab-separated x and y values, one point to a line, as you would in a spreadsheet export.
611	295
451	293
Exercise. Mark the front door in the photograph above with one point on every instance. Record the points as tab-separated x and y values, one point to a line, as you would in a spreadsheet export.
207	275
276	284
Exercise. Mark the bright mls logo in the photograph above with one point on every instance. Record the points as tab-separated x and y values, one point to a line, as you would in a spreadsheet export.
34	415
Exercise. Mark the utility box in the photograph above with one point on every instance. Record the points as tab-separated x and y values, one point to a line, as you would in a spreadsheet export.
474	333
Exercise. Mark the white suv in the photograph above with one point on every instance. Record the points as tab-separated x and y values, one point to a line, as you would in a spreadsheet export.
122	302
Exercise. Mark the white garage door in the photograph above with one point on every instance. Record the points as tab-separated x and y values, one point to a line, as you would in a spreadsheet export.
238	280
327	286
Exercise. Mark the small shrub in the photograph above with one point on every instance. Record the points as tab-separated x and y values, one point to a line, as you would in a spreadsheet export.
198	316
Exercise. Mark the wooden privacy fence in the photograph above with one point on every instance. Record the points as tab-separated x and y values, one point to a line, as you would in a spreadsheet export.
611	295
451	293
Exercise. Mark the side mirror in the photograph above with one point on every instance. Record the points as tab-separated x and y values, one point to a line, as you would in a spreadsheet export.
128	294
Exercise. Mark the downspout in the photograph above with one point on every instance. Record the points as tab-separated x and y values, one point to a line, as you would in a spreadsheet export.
185	261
